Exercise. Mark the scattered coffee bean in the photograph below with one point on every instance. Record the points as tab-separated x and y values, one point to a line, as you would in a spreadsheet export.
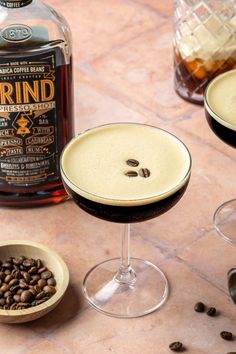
144	172
199	307
176	346
132	162
231	353
24	282
131	174
211	311
226	335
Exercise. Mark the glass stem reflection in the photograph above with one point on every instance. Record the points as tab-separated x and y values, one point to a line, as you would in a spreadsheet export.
125	275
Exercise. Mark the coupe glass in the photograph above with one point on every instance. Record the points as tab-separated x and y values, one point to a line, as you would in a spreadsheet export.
223	124
124	287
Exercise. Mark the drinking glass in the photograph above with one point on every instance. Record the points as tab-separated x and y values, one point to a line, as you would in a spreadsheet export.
220	111
204	44
120	173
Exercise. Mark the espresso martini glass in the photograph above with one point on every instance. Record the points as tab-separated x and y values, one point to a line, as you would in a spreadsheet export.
220	109
125	173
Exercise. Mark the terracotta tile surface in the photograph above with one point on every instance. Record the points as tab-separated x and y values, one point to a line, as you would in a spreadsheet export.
123	72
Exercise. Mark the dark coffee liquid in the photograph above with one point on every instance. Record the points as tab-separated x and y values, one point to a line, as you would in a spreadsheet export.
192	77
52	192
224	133
130	214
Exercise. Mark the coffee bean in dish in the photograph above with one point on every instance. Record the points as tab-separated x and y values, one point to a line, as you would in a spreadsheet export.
25	282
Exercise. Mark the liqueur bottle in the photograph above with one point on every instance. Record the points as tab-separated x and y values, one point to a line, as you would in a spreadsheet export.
36	108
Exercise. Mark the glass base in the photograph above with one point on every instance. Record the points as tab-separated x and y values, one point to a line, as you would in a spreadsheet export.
106	294
224	221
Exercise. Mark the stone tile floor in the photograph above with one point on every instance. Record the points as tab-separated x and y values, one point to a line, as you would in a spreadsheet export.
123	72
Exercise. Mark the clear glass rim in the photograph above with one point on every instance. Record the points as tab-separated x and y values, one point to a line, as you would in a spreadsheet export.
176	188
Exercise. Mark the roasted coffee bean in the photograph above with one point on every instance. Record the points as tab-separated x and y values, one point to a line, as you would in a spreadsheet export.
17	274
226	335
37	288
13	306
24	282
14	282
9	300
51	281
48	289
2	301
28	263
23	285
14	288
35	277
26	296
27	277
7	293
176	346
231	353
40	295
23	304
38	263
7	265
33	291
144	172
132	162
42	283
131	174
46	275
199	307
17	298
41	270
8	278
5	287
211	311
33	270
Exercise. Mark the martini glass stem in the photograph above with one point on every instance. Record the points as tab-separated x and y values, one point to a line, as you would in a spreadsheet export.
125	274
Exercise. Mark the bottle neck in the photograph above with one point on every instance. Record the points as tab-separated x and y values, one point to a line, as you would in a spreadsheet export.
15	4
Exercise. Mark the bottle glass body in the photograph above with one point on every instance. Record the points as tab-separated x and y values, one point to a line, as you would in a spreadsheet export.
36	104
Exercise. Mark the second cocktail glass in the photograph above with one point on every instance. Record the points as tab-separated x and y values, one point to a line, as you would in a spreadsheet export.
125	173
220	108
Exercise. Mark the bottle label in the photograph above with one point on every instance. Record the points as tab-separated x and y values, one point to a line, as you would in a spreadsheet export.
28	129
14	4
16	33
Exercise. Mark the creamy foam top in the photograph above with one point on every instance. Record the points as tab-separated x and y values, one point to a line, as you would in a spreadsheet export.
94	164
208	41
220	99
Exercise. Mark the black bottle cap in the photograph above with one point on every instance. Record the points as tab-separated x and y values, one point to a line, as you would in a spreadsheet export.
14	4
